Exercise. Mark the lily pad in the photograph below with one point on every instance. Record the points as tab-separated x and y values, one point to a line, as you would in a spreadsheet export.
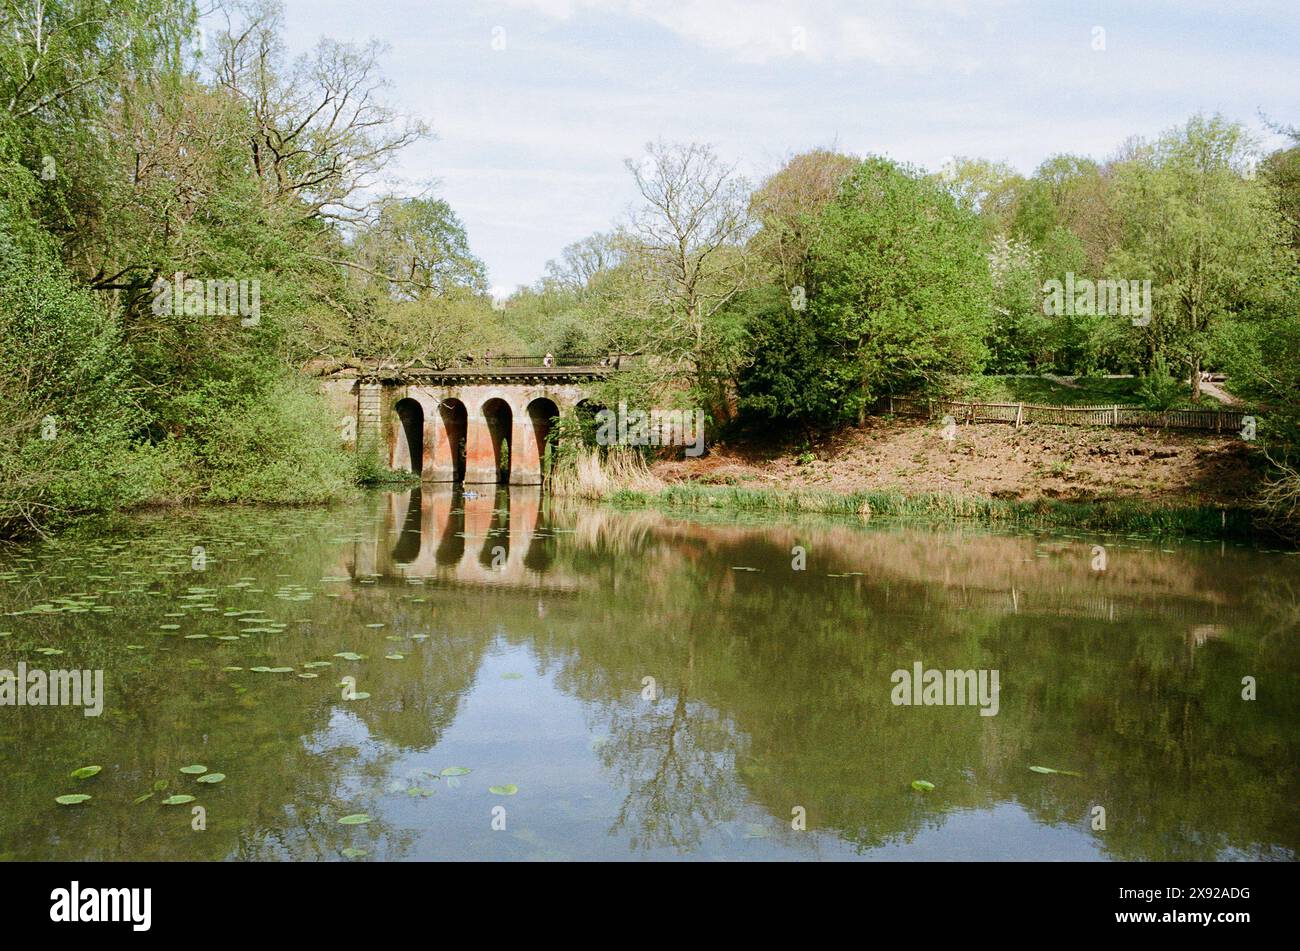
455	771
920	785
194	770
139	799
352	853
349	655
85	772
71	799
177	800
507	790
212	778
356	819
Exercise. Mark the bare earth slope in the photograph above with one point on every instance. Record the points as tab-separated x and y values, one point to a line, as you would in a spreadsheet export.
1061	462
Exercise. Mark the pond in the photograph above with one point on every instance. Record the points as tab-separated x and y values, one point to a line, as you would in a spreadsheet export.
503	676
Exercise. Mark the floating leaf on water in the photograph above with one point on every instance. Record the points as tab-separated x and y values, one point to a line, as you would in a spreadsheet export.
281	670
212	778
348	655
414	791
352	853
356	819
360	695
71	799
512	675
1048	770
169	627
755	831
394	657
194	770
507	790
177	800
455	771
920	785
139	799
309	676
85	772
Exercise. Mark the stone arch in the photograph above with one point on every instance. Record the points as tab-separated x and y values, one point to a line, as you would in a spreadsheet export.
449	441
532	449
586	411
498	419
407	437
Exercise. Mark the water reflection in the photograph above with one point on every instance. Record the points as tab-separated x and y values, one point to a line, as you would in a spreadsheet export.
451	535
654	685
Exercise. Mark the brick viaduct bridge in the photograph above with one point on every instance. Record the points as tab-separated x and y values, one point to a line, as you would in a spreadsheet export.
487	422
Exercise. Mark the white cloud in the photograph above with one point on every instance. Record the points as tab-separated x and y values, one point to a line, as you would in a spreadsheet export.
757	31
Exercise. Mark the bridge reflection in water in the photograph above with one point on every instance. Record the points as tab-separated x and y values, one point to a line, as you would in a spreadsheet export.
456	536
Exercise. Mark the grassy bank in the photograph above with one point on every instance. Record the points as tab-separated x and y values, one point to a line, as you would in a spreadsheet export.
1121	517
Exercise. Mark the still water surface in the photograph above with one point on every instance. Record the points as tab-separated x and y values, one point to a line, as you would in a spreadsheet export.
506	641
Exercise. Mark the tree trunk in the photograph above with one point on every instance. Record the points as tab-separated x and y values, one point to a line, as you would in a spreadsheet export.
1196	379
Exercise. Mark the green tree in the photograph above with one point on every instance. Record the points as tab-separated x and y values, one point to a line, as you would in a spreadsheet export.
1206	234
898	291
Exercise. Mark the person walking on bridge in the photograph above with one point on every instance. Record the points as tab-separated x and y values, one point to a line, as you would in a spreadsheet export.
548	360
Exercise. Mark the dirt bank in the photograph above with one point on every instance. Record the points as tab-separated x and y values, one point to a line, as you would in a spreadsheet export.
1073	463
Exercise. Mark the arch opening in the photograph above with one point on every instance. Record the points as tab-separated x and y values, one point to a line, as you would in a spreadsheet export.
455	426
587	413
499	419
543	415
408	437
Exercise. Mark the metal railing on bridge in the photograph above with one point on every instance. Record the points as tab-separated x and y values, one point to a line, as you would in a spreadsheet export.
476	362
611	360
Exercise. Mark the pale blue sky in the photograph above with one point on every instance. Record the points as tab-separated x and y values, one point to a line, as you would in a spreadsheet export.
531	137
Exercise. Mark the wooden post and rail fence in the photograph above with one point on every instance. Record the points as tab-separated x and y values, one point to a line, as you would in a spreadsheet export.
1228	421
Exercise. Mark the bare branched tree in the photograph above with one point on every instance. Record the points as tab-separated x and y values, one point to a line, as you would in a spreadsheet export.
687	247
319	129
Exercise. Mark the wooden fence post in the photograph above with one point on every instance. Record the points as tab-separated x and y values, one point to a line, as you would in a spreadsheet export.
1020	411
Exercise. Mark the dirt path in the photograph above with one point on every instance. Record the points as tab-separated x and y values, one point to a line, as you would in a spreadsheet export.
1220	394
